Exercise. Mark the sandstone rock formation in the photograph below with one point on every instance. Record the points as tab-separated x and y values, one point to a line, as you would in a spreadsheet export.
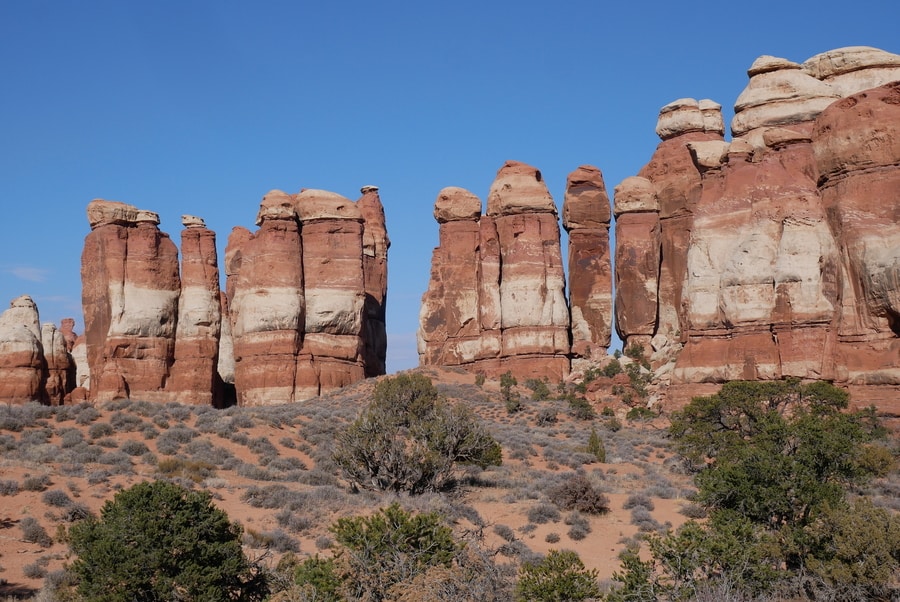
586	218
777	252
375	250
130	290
21	352
496	300
297	292
35	364
194	372
303	310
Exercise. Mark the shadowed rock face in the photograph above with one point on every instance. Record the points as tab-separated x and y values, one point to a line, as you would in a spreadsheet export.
496	299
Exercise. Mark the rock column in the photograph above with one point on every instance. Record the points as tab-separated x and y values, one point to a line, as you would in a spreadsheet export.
586	217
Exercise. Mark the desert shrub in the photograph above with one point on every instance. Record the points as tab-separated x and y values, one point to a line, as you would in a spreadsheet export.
36	483
9	487
57	498
34	532
123	422
409	439
134	448
576	492
95	477
70	437
292	521
87	415
552	538
389	547
505	532
185	469
641	518
539	389
276	540
35	437
561	576
595	446
262	447
546	416
543	513
640	413
579	525
8	443
100	429
188	546
479	379
638	500
581	408
35	570
611	369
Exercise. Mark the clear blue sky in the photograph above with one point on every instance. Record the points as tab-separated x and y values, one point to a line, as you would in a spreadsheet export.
202	107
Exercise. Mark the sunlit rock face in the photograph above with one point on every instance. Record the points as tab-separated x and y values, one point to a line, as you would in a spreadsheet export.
292	323
21	352
496	299
194	373
586	218
130	289
306	296
777	251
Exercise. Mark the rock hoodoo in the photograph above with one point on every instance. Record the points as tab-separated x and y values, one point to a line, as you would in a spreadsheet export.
586	218
496	300
778	251
303	310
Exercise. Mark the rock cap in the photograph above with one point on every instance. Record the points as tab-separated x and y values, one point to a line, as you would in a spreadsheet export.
519	188
101	213
192	221
312	204
456	204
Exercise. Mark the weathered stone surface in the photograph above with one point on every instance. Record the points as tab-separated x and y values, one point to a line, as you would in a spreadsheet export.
854	69
519	188
776	259
857	149
67	329
779	93
59	374
130	288
334	288
496	298
375	271
268	306
194	372
586	218
450	329
21	352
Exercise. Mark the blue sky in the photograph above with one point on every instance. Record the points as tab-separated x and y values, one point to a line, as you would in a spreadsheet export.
202	107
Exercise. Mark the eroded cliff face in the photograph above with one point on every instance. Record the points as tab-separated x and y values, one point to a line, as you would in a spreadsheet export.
496	300
777	251
304	295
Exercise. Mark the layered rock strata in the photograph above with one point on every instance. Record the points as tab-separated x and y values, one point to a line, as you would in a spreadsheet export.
297	293
35	363
130	290
194	372
586	218
778	251
496	299
21	352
